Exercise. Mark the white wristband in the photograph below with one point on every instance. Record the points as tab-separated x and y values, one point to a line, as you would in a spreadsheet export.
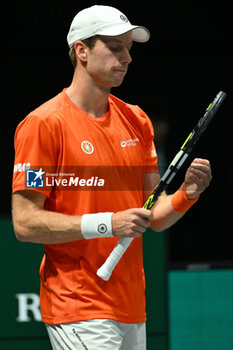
96	225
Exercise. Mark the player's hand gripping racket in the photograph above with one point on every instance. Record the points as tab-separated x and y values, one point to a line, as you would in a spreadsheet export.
106	269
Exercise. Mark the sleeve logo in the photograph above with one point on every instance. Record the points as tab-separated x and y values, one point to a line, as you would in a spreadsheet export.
19	167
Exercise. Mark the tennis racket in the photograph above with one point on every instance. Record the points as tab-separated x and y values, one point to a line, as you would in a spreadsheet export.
106	269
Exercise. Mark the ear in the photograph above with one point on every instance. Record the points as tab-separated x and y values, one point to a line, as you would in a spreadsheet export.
81	51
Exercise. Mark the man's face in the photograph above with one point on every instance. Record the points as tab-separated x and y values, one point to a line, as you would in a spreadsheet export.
108	61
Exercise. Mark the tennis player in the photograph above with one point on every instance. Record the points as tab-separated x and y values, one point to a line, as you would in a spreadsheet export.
88	128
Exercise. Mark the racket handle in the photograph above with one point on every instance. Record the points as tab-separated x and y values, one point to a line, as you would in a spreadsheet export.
107	268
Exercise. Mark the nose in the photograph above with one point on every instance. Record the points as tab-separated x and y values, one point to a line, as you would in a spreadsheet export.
125	57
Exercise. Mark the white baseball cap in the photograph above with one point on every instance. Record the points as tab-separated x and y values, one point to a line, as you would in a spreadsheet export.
103	20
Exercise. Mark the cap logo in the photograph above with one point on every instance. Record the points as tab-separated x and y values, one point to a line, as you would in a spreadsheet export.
124	18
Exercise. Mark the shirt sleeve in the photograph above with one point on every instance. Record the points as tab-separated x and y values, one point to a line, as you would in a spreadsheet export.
151	158
35	151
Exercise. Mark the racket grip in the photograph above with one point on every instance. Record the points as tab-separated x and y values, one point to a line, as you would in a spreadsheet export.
107	268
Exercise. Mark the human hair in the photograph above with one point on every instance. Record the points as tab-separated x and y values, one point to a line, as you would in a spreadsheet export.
90	43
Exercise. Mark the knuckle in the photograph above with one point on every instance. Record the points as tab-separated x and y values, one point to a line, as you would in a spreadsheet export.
144	229
132	227
134	219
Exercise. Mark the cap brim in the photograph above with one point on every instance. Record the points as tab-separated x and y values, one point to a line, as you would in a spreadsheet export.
139	34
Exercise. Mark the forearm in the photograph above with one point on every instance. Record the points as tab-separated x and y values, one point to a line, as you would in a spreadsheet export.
170	208
164	215
48	227
33	223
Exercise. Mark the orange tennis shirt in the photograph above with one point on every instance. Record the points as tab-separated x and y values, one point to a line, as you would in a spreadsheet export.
89	165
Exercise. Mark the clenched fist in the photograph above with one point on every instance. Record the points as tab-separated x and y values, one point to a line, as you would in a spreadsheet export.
197	178
131	222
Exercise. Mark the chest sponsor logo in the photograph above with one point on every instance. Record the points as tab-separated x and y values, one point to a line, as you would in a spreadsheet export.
87	147
129	143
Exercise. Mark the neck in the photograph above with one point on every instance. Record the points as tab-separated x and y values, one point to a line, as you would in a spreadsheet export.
91	98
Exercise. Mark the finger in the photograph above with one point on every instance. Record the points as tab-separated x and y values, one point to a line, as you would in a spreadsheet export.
142	226
199	182
145	213
202	164
136	231
203	173
135	234
143	221
204	167
201	161
139	229
147	221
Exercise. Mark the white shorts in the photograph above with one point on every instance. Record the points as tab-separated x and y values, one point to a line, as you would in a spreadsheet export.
97	335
